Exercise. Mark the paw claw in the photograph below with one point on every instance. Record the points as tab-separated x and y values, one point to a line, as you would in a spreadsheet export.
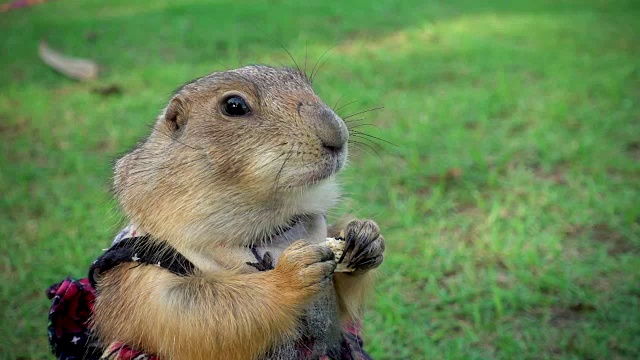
364	247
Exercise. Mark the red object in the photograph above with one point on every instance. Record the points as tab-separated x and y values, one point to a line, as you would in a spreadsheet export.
19	4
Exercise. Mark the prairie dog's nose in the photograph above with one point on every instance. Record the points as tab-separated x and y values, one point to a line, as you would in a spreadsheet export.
328	126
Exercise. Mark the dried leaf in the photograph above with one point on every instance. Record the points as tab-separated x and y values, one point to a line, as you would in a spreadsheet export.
74	68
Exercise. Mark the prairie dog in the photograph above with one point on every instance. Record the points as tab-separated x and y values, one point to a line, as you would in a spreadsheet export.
237	176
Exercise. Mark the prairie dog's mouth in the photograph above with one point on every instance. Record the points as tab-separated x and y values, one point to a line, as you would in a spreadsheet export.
329	166
293	170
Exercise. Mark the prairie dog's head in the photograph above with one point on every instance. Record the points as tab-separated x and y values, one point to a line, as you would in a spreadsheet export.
234	155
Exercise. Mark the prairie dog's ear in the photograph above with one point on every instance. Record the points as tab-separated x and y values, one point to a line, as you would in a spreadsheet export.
177	113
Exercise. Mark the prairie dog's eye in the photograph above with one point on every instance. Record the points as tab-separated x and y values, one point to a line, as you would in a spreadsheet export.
235	105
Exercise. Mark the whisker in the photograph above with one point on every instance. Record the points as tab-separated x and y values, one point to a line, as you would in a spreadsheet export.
363	112
277	180
350	127
368	141
345	105
337	102
223	65
359	133
279	156
316	64
355	145
320	67
357	121
283	48
354	120
362	149
365	144
306	49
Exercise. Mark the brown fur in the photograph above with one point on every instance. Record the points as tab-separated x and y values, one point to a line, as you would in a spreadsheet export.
209	184
238	316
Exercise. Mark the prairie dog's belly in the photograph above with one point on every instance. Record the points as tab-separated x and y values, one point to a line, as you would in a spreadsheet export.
320	325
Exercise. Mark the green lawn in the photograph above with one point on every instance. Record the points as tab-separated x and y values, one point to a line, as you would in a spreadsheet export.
511	203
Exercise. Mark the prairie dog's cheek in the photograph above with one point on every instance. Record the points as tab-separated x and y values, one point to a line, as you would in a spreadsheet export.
227	165
267	162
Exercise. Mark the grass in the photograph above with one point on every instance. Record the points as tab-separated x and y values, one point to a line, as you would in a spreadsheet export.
511	203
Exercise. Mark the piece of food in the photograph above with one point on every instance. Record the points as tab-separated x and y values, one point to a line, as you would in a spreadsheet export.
337	246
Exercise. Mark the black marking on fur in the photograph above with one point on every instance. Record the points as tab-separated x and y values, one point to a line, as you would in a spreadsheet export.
263	263
141	251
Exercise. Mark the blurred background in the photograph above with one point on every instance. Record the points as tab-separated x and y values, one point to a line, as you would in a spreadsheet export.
510	201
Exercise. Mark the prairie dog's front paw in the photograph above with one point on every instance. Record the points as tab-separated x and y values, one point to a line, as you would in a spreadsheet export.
364	249
305	267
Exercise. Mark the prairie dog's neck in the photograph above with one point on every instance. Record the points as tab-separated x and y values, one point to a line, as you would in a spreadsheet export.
200	221
236	222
